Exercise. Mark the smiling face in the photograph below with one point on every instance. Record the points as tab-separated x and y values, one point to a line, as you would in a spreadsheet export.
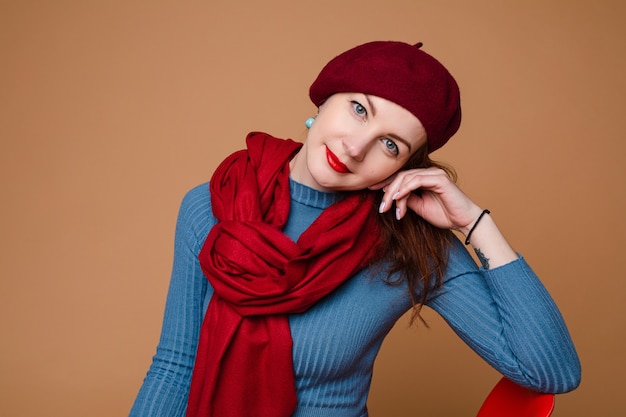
357	140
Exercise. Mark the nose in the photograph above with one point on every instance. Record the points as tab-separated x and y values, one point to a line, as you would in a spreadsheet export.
355	147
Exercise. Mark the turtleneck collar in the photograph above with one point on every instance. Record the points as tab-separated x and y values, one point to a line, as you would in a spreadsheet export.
308	196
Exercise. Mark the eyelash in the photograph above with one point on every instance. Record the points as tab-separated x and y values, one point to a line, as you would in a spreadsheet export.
395	149
361	111
356	105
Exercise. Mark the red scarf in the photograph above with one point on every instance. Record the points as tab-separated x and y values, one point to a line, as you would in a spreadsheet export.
244	362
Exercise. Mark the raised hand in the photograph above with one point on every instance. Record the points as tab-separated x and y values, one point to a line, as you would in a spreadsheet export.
430	193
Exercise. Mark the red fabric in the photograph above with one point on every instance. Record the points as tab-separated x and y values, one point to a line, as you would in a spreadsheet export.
244	361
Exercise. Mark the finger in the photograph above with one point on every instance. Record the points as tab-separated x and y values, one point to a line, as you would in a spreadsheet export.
415	203
411	183
401	208
391	188
406	182
405	202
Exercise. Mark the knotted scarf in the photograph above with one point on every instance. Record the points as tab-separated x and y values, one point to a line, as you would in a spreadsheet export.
244	364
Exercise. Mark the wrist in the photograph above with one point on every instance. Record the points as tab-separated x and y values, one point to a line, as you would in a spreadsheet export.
474	226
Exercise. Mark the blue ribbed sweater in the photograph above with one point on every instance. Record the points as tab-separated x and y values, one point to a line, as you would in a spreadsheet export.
504	314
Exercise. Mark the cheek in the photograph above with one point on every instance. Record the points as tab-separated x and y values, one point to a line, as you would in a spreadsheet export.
381	171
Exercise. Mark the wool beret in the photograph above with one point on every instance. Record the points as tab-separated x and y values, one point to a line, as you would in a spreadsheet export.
401	73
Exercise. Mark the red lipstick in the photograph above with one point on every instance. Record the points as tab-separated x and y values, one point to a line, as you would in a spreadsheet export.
335	163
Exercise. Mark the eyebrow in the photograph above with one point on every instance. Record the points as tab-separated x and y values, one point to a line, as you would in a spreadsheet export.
391	135
400	139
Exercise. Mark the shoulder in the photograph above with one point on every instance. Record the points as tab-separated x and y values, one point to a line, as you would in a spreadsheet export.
195	215
198	196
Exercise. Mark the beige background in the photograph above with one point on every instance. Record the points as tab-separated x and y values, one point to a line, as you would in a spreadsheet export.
111	110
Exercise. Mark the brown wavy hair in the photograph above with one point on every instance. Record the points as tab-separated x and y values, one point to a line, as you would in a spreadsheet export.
415	251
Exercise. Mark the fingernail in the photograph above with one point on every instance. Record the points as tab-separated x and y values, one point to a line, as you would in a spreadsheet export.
398	213
381	207
395	195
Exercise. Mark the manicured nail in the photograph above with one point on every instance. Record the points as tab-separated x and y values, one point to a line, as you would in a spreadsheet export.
381	207
398	214
395	195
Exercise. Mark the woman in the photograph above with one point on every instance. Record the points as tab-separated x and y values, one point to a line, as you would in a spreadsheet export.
297	260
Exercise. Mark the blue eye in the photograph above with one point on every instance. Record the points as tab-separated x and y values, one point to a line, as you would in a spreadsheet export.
359	109
391	146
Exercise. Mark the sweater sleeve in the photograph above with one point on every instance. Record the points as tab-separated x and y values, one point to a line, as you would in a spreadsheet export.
508	317
165	388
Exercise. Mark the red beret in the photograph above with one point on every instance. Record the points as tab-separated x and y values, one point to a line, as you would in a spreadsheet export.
401	73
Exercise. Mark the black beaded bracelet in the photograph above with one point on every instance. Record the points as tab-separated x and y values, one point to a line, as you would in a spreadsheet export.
467	239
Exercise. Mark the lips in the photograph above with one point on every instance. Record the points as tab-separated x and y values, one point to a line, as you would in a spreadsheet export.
335	163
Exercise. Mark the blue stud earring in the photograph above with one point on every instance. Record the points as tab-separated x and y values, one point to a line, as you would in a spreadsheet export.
309	122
